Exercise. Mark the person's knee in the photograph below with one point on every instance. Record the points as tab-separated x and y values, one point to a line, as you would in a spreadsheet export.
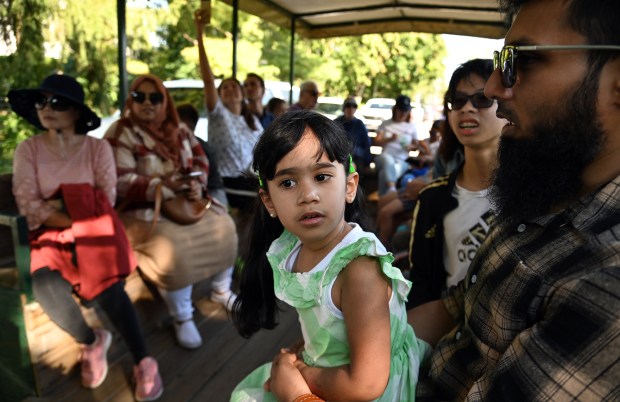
394	208
45	281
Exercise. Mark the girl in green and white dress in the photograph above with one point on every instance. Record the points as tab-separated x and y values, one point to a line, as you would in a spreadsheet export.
307	251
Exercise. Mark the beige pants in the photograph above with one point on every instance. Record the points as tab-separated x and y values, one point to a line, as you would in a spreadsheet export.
175	256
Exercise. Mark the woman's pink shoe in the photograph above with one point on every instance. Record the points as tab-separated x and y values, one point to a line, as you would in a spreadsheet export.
95	360
149	386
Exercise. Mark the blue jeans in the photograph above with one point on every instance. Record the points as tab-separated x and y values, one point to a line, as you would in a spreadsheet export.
389	169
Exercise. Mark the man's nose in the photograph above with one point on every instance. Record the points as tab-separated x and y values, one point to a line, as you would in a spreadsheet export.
494	89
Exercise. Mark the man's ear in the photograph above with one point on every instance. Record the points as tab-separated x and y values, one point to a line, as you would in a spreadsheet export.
352	183
267	202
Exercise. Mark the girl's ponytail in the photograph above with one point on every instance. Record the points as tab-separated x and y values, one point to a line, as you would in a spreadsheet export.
256	306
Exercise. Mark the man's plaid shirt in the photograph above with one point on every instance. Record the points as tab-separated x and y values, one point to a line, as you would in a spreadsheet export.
538	312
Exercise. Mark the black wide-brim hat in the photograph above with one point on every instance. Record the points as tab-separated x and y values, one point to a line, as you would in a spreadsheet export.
22	101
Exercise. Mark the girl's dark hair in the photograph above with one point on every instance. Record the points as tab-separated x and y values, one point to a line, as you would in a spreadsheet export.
245	112
482	68
256	307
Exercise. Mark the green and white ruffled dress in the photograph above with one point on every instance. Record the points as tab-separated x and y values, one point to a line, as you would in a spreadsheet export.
322	324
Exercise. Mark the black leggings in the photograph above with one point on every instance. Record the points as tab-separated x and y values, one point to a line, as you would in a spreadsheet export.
54	294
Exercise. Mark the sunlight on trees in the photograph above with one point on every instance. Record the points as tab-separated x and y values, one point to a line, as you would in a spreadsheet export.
79	38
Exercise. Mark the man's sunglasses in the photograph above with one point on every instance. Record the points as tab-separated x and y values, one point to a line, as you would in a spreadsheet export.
478	100
154	97
506	59
55	102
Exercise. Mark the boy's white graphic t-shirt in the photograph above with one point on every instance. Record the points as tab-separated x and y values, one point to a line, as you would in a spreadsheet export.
464	230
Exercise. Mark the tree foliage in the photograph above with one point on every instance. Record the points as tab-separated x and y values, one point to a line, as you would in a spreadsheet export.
79	38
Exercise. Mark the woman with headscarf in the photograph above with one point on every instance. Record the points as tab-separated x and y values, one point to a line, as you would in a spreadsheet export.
157	156
65	184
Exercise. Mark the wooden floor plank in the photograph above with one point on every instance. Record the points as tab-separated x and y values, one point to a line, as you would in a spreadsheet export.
259	349
208	373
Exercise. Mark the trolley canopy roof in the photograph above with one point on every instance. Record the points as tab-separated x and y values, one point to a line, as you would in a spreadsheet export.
330	18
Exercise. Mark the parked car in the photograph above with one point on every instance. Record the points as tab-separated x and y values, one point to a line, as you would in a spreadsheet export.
280	89
375	110
329	106
106	122
378	109
190	91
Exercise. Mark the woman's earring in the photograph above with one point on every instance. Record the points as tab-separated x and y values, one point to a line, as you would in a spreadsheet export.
272	214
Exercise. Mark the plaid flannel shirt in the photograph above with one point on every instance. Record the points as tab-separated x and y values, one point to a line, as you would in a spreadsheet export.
538	313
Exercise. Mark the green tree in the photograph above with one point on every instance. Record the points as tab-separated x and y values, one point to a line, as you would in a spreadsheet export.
23	21
79	37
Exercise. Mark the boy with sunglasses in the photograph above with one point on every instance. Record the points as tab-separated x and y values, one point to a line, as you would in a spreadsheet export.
453	214
537	316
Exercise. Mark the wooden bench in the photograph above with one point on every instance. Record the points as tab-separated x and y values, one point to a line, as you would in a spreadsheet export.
37	356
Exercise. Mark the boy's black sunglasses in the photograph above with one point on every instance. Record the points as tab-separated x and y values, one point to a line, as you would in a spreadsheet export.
56	103
506	59
154	97
478	100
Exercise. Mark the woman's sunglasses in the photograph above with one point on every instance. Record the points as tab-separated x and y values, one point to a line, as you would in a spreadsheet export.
154	97
55	102
478	100
506	59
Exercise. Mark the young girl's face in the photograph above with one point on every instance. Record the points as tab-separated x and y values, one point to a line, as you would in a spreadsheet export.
309	196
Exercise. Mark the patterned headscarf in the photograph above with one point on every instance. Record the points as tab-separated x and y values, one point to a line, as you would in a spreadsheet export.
165	128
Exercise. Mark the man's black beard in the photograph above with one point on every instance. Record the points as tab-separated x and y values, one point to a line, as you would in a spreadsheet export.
535	174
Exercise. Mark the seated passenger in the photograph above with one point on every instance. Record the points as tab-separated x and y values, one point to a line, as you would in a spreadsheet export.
308	97
64	182
397	136
215	187
394	208
155	155
358	134
277	106
254	88
453	214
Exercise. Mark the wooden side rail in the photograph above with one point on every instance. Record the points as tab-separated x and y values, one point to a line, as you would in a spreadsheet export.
21	250
16	368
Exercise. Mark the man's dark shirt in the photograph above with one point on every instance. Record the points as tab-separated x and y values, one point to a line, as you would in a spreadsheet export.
538	312
358	133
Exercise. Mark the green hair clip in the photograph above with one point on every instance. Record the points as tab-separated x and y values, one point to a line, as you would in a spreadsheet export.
260	181
351	165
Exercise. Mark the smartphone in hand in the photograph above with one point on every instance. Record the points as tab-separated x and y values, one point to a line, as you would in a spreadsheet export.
190	175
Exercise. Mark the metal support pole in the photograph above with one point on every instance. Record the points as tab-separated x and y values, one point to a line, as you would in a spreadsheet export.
235	33
122	58
291	73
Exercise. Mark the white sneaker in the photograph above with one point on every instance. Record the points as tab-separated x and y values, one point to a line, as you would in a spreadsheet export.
187	334
227	299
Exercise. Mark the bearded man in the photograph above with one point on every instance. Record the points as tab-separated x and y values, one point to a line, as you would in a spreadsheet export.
537	316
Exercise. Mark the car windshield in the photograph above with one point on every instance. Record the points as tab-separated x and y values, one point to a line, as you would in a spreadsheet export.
330	108
380	106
